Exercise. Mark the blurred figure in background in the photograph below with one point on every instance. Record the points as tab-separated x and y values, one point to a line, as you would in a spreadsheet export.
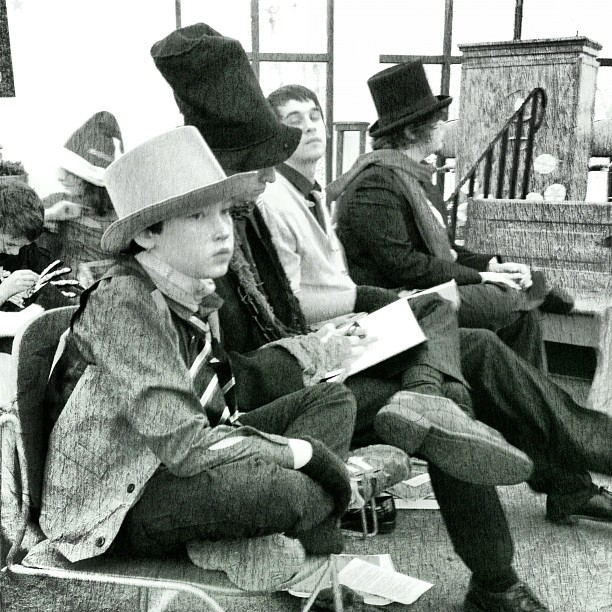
76	219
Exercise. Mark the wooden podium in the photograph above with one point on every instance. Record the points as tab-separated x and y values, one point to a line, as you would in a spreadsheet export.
496	76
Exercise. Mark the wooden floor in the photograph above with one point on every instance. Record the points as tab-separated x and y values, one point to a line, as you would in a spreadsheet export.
571	567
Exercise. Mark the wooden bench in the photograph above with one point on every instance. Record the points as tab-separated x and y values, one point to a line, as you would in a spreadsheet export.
570	243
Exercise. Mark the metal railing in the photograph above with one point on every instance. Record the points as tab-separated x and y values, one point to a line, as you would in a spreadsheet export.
502	158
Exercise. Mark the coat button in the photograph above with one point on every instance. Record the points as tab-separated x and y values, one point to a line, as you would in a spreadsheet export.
130	488
100	542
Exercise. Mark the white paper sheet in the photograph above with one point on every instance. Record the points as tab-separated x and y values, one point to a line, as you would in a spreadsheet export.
396	330
367	578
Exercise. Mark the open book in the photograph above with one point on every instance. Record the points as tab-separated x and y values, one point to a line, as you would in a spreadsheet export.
396	330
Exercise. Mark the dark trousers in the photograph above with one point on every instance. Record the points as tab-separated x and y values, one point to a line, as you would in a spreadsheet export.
534	414
247	498
473	514
512	314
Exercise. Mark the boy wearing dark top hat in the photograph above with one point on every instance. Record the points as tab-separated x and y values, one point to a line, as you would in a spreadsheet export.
473	515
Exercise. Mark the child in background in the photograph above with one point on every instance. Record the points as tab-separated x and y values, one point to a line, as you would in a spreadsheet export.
21	260
77	218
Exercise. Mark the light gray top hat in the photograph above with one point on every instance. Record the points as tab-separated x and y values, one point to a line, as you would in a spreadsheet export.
172	175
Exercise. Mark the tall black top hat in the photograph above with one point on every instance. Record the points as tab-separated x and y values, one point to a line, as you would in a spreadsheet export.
217	92
402	96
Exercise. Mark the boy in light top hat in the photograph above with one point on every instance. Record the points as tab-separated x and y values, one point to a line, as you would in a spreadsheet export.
149	450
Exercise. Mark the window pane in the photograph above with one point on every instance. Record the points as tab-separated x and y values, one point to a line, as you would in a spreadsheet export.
299	26
409	27
470	17
603	97
231	18
313	75
590	18
454	90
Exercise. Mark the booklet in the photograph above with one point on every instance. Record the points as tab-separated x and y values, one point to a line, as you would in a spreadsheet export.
396	330
375	577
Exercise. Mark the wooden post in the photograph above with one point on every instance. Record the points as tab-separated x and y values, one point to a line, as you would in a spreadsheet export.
7	83
495	76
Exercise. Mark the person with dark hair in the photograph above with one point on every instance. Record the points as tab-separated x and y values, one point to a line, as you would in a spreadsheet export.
392	221
77	221
21	260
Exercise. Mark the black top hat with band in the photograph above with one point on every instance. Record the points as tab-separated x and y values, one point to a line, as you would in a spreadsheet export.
93	147
218	93
402	96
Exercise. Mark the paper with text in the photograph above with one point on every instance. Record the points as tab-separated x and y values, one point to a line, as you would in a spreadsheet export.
367	578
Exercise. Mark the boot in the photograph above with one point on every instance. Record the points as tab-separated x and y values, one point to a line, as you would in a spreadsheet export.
437	429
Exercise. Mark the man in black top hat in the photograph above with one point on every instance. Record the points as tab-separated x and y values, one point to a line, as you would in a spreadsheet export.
392	219
473	514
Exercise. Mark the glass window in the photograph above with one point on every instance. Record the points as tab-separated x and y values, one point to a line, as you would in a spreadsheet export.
564	18
313	75
296	26
470	17
454	91
233	19
603	97
409	27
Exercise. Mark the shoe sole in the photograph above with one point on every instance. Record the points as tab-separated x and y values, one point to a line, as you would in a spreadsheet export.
471	453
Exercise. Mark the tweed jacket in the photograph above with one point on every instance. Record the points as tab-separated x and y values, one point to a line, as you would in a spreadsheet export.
312	256
383	246
131	409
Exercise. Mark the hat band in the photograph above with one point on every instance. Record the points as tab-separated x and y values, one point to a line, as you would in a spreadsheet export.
70	161
400	113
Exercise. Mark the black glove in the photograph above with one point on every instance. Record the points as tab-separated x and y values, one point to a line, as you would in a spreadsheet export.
330	472
370	299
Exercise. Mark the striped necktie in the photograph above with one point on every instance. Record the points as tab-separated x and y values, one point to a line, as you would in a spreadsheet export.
213	379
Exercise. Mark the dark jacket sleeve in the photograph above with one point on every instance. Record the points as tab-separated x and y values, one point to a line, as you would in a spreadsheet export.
381	240
477	261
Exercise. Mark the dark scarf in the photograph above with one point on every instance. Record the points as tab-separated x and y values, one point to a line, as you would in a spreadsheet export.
409	175
250	285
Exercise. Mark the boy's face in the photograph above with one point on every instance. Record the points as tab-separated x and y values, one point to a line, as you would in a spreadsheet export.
11	245
199	246
307	117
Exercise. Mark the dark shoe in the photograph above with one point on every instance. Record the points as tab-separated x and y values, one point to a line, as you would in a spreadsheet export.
568	509
558	301
442	433
518	598
386	516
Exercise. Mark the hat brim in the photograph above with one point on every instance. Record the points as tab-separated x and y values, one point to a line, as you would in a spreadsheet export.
119	234
380	130
274	150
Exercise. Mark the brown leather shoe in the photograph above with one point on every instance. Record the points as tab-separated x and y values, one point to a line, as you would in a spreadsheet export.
568	509
518	598
442	433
